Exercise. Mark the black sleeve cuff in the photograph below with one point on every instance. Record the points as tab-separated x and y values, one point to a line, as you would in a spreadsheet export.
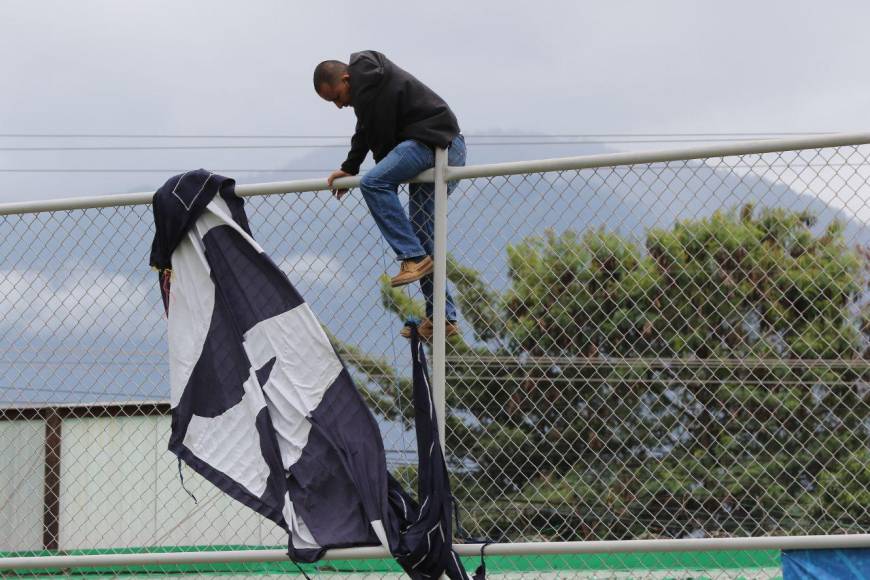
350	167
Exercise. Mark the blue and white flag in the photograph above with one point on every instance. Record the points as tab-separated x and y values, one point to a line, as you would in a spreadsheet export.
263	407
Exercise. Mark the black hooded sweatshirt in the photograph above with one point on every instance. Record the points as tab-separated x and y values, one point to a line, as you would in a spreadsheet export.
392	106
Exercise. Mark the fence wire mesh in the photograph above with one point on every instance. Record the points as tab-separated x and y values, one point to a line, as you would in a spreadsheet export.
661	350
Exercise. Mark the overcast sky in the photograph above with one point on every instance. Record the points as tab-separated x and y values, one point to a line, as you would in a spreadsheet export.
219	67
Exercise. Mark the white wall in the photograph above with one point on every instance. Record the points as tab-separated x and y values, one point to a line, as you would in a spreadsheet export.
120	488
22	464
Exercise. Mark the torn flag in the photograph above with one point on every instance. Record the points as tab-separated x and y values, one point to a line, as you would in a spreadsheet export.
263	407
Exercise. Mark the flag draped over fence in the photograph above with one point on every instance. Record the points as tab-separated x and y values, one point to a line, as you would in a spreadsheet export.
263	407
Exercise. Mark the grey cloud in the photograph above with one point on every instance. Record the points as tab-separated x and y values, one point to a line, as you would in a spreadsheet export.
226	67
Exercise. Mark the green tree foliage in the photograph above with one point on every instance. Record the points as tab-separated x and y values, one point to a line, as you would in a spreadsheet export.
711	381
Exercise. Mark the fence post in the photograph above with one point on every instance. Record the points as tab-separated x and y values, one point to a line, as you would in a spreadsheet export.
439	302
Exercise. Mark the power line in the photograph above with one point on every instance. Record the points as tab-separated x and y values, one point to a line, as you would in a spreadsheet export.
160	136
345	146
177	170
620	135
475	135
173	147
327	170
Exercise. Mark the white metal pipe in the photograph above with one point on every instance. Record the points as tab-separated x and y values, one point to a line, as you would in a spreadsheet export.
303	185
142	198
840	541
471	171
658	156
439	300
71	203
678	545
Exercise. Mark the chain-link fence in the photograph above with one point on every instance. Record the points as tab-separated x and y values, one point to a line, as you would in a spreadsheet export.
662	350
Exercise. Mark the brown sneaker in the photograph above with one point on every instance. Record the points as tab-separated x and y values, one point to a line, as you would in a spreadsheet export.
411	271
426	330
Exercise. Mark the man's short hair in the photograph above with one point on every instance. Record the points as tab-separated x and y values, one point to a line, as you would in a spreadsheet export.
328	72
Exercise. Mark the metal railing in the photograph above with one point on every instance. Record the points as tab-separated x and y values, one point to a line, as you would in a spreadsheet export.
655	345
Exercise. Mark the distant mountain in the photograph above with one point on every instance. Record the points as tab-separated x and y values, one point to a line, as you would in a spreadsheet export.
85	286
631	200
627	200
488	214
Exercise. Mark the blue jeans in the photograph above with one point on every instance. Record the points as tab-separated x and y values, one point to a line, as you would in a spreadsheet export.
380	187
